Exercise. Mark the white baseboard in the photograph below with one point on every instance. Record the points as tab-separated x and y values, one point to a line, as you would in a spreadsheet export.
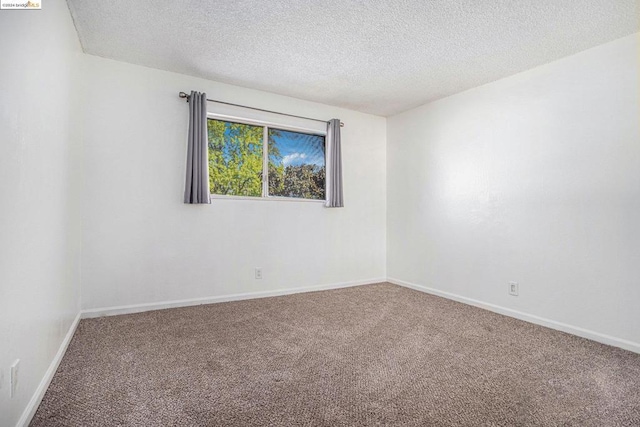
138	308
33	404
574	330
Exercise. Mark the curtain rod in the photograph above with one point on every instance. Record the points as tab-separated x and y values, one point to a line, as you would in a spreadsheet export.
185	95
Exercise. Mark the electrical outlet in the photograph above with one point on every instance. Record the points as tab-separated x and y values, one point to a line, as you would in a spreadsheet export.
14	377
513	288
258	273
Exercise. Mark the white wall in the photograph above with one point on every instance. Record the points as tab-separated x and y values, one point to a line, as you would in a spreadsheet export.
534	178
39	195
141	244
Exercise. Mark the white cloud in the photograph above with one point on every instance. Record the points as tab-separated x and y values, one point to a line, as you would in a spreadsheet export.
293	158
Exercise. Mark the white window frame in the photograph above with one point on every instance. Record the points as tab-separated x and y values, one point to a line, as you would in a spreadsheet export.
265	147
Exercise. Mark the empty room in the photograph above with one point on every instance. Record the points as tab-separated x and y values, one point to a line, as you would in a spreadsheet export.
320	213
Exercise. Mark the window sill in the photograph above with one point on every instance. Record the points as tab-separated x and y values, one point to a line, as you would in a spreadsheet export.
265	199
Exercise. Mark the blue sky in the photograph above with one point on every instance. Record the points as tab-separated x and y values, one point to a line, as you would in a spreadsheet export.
299	148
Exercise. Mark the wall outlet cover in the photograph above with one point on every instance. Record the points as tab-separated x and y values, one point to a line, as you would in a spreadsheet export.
513	288
14	377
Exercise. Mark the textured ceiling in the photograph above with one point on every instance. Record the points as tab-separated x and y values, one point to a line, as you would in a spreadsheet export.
375	56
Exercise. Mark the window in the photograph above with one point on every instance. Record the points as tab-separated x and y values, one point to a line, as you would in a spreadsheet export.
291	165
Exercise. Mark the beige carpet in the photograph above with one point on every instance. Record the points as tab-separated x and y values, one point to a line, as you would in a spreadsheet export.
363	356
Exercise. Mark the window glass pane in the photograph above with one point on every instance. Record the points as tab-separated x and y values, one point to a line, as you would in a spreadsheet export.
235	158
296	165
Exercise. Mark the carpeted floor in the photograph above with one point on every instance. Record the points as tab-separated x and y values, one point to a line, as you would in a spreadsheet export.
368	355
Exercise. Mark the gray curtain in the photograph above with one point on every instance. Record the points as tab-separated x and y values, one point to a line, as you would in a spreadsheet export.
334	165
196	189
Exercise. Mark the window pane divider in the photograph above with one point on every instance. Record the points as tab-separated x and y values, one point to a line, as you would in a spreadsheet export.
265	161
